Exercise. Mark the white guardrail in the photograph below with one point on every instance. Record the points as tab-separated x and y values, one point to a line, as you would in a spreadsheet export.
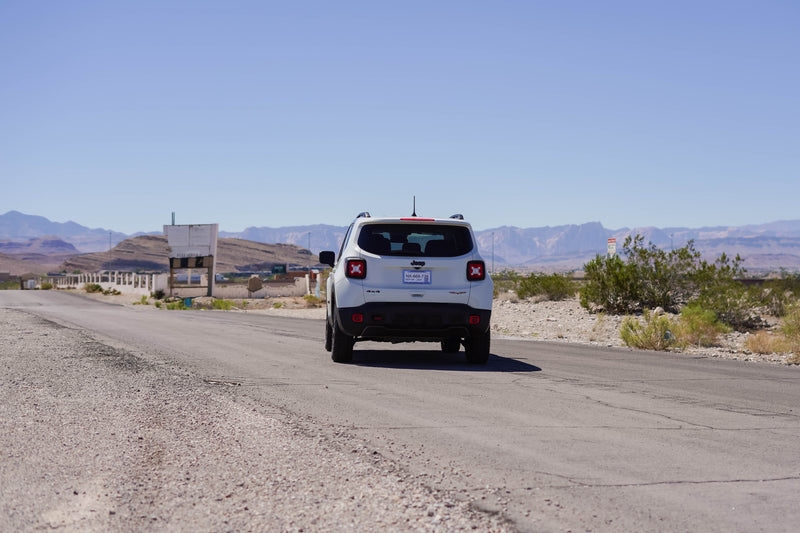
146	284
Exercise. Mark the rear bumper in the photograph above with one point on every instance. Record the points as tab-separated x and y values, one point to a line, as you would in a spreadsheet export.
404	322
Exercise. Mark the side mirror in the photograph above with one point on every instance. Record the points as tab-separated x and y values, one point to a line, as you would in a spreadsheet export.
327	258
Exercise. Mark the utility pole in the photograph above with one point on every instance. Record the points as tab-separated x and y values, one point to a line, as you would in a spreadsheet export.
492	253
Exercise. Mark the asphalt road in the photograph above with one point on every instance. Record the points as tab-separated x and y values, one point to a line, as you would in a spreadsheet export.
556	437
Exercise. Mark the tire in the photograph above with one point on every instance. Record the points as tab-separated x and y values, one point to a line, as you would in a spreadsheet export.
328	335
341	343
477	348
451	345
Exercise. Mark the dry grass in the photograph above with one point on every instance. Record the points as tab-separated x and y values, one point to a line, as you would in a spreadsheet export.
764	342
597	328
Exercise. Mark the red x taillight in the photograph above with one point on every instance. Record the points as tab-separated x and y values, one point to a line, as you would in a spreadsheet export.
476	271
356	268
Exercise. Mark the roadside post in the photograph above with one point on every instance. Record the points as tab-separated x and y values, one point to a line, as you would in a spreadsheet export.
612	247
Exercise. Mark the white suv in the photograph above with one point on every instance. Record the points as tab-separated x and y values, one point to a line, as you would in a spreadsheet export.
408	279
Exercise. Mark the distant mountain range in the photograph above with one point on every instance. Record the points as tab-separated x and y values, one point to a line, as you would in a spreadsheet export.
16	226
764	247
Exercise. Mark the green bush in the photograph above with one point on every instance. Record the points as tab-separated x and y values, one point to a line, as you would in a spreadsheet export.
554	287
699	327
611	285
649	277
790	329
505	280
46	286
92	287
732	304
223	305
719	290
313	301
777	295
655	333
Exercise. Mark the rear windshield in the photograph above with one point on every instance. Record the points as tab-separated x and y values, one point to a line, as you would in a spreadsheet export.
415	240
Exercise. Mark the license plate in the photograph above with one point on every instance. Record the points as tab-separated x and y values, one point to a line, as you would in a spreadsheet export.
417	277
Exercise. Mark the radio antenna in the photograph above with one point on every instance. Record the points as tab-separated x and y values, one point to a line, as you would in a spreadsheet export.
415	207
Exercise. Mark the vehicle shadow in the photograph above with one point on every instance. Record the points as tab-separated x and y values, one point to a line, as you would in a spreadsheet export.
436	360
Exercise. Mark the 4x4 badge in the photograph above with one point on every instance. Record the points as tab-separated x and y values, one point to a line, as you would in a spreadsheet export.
417	264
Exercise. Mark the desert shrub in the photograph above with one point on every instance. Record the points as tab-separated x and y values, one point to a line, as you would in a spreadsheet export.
665	279
773	300
505	281
92	287
553	287
611	285
763	342
649	278
176	306
790	329
313	301
46	286
699	327
719	290
9	285
112	292
777	295
159	294
221	304
733	305
142	301
653	333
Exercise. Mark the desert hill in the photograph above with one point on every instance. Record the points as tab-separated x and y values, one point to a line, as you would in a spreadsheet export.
17	267
150	253
48	245
34	256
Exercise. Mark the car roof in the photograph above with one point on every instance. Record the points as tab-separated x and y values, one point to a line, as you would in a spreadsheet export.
367	219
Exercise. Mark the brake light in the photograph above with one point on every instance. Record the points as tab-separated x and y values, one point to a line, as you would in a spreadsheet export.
476	271
356	268
419	219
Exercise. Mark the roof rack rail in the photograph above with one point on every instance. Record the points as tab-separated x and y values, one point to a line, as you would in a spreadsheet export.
457	216
364	214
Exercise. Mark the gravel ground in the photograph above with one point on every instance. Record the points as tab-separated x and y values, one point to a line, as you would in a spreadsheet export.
567	321
97	437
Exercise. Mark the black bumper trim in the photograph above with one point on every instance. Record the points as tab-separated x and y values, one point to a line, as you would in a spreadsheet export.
403	321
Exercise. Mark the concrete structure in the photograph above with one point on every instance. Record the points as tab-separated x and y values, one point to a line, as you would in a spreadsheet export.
124	282
146	284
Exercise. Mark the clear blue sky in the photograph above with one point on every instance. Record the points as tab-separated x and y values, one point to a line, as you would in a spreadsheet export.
523	113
